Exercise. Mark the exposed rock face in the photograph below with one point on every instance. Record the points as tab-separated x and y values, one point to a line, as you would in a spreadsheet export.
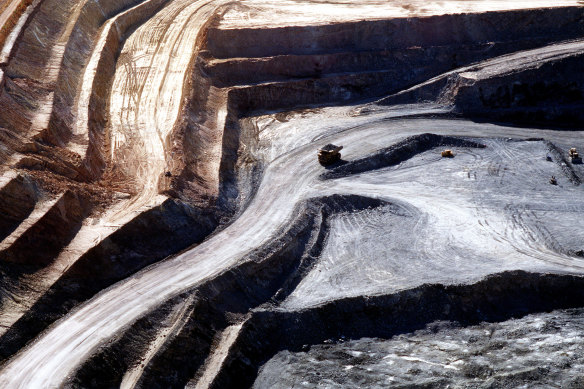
444	353
164	221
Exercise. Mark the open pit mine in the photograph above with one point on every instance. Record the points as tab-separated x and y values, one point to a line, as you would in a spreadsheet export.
291	193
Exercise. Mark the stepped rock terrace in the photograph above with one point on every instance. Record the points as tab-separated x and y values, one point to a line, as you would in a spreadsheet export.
165	222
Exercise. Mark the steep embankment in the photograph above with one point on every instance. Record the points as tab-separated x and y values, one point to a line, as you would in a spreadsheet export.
536	86
68	148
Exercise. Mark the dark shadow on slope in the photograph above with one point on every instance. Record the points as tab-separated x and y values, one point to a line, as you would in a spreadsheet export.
17	200
149	238
265	276
551	95
42	242
494	299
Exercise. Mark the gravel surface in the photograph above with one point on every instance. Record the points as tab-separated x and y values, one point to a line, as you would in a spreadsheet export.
390	218
538	351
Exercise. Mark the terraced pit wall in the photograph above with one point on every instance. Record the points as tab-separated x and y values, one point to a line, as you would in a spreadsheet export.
497	298
242	73
277	69
527	97
95	34
398	33
14	12
350	61
277	268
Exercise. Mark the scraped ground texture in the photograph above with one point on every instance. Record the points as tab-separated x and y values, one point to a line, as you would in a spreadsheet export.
165	223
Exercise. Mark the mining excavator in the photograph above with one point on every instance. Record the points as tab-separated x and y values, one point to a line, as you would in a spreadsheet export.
574	156
447	153
329	154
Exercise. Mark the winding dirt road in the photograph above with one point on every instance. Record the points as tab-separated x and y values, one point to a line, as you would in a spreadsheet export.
147	93
289	179
455	209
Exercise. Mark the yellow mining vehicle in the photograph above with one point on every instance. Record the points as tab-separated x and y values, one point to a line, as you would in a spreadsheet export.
574	156
329	154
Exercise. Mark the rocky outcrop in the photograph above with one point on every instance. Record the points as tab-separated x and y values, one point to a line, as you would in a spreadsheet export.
499	297
552	93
